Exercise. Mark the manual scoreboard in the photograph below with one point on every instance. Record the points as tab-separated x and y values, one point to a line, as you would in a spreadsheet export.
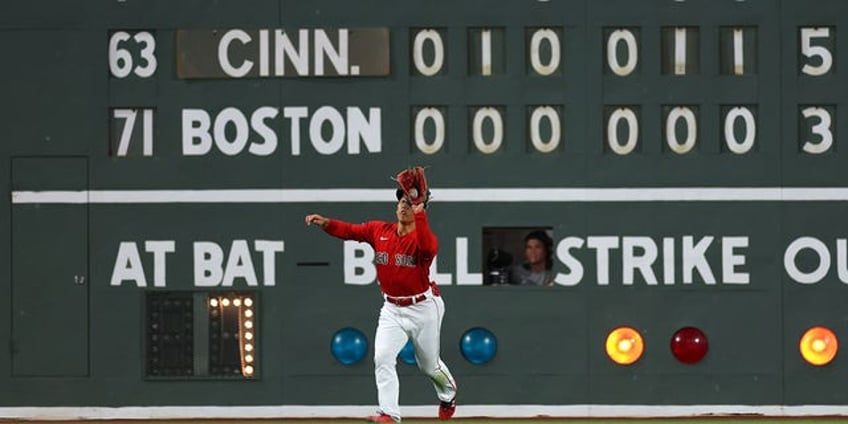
686	157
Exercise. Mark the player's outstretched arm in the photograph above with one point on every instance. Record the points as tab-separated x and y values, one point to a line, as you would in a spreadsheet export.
344	230
318	220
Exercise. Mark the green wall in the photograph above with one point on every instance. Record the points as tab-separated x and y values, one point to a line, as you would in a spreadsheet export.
78	340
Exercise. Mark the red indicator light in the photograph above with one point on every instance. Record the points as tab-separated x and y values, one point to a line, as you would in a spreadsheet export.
689	345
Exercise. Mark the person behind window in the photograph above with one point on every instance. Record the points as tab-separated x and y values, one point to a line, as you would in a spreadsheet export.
536	268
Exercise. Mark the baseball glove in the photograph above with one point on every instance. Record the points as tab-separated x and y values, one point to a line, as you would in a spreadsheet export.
413	183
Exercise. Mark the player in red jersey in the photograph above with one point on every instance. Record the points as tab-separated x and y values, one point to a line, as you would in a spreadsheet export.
413	308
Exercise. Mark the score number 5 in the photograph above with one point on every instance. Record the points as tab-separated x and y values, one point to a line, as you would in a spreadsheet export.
810	51
121	62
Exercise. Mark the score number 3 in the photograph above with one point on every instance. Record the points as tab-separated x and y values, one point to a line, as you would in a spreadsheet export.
121	62
136	54
816	120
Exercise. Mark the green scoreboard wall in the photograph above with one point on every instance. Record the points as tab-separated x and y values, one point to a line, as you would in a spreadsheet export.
688	158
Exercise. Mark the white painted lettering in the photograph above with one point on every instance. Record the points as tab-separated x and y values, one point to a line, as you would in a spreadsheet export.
572	264
239	265
196	124
730	260
269	248
602	246
128	266
159	249
324	48
693	258
295	114
329	129
299	57
463	276
359	268
631	262
208	264
360	128
223	53
796	247
442	279
257	122
232	116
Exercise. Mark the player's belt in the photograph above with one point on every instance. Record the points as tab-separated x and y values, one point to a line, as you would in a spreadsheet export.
406	300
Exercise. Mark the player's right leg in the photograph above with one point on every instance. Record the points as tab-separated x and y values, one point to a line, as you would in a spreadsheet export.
426	338
388	342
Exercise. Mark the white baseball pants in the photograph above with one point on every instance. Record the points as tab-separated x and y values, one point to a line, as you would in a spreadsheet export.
421	322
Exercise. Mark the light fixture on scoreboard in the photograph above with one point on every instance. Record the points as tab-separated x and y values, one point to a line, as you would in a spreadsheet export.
818	345
625	345
689	345
232	335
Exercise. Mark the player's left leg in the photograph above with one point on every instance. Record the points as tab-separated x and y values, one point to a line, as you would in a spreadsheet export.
426	337
388	342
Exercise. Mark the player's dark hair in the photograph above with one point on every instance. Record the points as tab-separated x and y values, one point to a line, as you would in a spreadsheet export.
399	195
546	241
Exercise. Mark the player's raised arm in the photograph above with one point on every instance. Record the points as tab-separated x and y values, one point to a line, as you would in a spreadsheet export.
426	239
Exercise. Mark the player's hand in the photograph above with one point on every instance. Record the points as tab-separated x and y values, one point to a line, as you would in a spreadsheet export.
317	220
418	208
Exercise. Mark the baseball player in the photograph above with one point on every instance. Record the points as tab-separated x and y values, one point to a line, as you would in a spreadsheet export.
412	308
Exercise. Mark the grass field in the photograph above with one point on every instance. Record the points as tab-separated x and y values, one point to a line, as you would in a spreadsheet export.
712	420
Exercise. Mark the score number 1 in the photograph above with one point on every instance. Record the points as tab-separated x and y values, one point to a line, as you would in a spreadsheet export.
129	130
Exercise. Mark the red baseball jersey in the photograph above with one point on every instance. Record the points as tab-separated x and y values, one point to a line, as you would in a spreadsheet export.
403	262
